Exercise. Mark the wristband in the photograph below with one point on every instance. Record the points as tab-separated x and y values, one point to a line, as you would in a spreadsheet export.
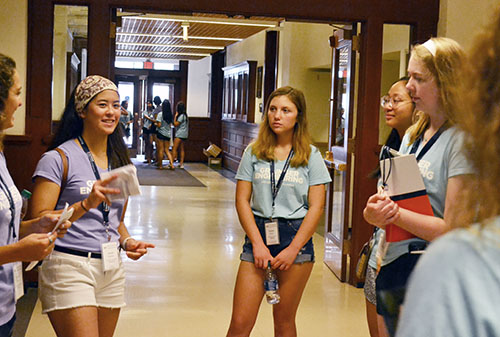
84	208
124	243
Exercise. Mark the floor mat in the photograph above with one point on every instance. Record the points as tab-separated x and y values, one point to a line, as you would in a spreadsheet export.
151	176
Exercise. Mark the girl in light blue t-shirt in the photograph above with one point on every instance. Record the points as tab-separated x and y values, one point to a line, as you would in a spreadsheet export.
434	69
289	206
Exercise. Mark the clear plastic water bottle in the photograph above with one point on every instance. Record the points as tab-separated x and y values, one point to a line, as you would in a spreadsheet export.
25	195
271	286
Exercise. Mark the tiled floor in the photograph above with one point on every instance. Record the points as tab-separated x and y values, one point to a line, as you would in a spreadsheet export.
184	286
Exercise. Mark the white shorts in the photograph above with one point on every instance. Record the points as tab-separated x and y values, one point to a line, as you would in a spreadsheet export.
69	281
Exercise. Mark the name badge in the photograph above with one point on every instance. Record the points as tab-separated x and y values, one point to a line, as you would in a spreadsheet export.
110	257
18	280
272	233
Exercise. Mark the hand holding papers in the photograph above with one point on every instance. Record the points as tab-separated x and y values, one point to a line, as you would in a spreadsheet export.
404	185
126	182
66	215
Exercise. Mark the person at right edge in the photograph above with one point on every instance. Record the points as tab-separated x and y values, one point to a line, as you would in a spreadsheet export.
455	288
434	69
280	191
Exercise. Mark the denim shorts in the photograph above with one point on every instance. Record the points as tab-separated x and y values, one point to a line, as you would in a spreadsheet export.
287	230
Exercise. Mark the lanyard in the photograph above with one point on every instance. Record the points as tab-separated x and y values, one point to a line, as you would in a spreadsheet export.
429	143
12	205
275	188
103	207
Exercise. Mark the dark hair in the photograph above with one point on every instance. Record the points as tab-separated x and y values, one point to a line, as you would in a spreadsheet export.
72	126
393	140
166	109
147	105
181	108
7	68
123	103
157	100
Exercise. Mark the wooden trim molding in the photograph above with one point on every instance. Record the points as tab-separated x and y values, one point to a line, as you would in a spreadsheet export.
239	91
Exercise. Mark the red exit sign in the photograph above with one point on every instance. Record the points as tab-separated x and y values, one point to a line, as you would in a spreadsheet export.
148	65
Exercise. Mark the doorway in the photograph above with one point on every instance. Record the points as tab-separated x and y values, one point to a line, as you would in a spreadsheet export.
342	115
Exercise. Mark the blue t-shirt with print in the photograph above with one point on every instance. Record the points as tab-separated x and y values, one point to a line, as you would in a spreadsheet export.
7	296
291	201
88	232
454	290
444	160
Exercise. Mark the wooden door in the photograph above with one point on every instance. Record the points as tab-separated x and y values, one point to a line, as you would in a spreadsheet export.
337	220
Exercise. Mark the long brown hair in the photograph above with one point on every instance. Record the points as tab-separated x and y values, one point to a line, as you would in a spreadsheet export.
480	119
263	147
7	69
446	67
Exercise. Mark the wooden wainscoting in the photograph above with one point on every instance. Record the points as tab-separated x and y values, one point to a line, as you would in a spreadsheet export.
236	135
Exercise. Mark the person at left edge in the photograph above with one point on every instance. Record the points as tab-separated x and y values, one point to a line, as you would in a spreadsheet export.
19	240
90	287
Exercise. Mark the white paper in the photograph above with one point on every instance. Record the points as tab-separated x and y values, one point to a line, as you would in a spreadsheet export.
404	175
66	215
126	182
18	280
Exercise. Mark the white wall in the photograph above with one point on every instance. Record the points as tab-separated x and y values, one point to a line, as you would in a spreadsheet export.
13	42
462	19
198	87
304	63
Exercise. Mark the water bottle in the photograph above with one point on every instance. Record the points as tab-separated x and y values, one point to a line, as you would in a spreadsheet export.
271	286
25	195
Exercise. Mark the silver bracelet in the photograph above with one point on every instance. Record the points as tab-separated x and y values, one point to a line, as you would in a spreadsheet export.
124	243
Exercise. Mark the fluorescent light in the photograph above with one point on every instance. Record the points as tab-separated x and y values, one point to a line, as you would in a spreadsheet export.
162	52
169	45
180	36
185	26
208	20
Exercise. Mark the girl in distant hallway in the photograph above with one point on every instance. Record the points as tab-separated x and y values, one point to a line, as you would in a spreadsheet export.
181	123
164	134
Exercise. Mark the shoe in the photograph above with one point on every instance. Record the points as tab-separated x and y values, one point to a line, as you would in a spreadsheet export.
171	167
145	162
181	166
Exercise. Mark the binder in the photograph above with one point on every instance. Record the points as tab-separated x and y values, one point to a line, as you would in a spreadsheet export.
405	186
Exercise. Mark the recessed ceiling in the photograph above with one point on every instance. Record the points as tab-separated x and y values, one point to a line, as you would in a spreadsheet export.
169	37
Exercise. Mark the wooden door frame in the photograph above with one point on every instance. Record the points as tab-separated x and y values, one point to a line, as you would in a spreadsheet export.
422	15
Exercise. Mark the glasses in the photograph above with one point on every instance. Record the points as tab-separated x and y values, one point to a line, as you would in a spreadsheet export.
388	102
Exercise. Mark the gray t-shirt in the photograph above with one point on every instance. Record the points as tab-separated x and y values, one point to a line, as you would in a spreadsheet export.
181	131
165	129
443	161
88	232
7	297
291	201
454	290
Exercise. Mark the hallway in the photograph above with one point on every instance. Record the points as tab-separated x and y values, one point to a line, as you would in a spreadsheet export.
184	286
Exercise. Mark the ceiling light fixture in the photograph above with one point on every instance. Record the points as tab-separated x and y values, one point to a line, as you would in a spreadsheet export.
185	26
169	45
161	52
180	36
216	21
